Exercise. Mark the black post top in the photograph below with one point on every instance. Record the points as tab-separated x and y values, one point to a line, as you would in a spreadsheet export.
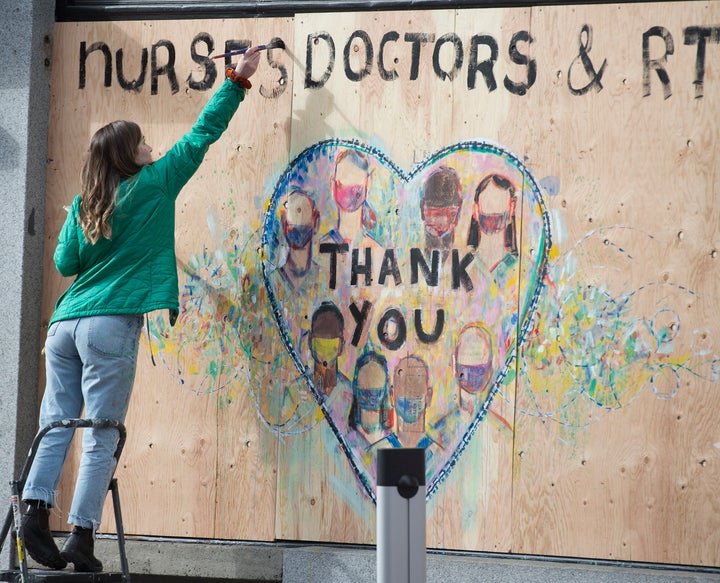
394	463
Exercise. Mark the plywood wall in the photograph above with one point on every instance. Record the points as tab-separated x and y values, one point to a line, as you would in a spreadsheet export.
593	431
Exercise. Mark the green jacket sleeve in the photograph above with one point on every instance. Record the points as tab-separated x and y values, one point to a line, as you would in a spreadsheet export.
67	252
176	167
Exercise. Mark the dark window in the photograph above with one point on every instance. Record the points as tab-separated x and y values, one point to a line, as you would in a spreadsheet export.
94	10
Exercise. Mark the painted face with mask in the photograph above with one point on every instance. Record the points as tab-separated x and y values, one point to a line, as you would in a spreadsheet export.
298	236
326	335
494	206
441	202
325	351
299	219
473	378
440	221
350	197
350	182
410	410
411	388
326	343
493	212
371	394
473	359
491	223
371	398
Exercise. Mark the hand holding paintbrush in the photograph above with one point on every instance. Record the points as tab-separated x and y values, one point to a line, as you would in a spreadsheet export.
246	67
273	44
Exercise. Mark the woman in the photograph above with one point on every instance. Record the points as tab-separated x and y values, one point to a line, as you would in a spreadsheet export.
119	242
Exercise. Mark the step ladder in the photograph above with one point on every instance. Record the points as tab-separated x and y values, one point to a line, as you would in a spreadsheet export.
22	573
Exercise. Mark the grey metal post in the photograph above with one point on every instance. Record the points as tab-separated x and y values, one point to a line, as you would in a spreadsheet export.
401	515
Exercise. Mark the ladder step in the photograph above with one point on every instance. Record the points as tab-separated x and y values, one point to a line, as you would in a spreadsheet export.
47	576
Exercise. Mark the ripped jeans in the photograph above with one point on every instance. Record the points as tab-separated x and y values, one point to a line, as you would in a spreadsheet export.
90	362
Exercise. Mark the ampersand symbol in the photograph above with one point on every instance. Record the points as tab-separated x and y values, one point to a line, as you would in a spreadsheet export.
594	76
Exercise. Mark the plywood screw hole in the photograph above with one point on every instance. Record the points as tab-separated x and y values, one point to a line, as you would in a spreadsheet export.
713	253
703	463
681	235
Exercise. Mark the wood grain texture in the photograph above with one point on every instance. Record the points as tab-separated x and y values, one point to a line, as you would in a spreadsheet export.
609	476
602	441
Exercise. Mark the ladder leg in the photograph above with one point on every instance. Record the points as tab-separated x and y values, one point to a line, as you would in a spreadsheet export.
120	531
19	538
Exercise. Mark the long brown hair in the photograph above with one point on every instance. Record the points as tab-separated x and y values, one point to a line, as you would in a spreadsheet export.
110	160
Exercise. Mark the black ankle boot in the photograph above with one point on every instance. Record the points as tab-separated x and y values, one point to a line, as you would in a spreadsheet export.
39	540
78	549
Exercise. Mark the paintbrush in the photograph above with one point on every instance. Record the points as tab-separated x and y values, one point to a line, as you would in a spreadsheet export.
273	44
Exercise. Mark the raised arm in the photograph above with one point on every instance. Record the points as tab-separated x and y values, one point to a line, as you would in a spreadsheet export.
178	165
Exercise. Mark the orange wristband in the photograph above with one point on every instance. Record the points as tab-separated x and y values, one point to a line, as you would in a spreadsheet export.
235	78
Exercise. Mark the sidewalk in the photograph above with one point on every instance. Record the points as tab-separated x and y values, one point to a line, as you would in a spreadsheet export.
155	560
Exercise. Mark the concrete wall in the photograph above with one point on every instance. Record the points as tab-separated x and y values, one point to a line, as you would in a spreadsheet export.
25	42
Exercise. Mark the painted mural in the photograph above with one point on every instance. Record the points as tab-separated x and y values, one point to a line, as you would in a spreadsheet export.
400	299
406	302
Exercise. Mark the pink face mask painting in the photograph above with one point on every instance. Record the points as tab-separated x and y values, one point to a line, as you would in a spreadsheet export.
491	223
349	198
439	221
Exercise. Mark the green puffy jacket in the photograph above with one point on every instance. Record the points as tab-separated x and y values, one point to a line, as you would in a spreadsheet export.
135	271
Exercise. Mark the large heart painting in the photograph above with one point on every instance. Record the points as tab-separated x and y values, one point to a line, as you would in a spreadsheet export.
402	298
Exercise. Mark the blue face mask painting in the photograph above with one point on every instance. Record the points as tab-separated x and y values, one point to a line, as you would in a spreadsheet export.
473	378
410	410
298	236
370	399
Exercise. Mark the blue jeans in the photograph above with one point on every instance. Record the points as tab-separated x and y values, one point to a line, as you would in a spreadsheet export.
89	362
